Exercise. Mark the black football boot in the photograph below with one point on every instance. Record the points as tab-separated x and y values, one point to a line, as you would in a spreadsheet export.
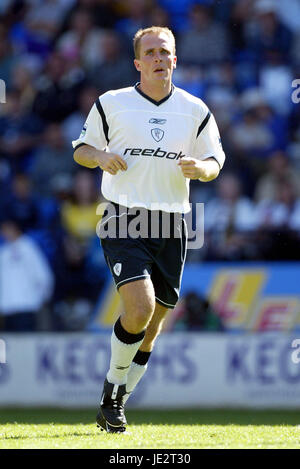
111	415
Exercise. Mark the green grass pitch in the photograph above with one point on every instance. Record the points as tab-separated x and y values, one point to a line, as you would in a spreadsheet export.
155	429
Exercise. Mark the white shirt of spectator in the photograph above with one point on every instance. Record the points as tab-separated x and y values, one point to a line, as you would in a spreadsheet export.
151	137
26	278
218	214
272	214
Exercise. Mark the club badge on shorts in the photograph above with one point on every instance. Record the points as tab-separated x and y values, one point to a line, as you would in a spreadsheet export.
117	268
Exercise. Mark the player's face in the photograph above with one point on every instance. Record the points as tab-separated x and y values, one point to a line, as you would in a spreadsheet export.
157	60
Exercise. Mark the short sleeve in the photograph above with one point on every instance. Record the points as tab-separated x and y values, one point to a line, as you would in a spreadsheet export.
94	131
208	142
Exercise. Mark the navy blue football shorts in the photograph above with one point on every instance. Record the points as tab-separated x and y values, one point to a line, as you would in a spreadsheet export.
139	243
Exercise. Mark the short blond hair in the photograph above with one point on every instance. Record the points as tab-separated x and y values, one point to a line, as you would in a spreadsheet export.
152	30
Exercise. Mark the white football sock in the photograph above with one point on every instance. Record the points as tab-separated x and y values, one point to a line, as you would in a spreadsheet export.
122	355
136	372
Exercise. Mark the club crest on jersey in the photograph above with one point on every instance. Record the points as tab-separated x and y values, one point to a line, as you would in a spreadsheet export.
157	134
117	268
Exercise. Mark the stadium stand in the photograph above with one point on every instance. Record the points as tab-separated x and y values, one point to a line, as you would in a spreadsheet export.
56	56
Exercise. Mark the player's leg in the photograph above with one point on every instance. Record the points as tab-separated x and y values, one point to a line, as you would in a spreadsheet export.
139	304
166	278
154	327
139	364
128	334
129	331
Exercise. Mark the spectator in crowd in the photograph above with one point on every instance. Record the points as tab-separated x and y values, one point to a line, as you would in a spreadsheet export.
7	58
283	211
79	217
82	39
19	132
26	279
294	149
295	49
159	16
256	132
250	134
288	12
194	313
136	17
23	83
279	224
51	158
261	48
240	14
103	12
79	220
229	207
73	124
57	89
44	17
223	103
190	79
205	42
275	78
5	178
34	25
178	12
115	71
279	169
229	221
21	203
268	33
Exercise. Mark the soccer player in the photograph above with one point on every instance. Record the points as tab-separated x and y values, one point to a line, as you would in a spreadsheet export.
150	140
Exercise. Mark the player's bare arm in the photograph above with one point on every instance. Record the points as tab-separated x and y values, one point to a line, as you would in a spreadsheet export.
90	157
205	170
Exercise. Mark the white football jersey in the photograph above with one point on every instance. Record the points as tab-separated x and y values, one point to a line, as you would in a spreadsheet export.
151	137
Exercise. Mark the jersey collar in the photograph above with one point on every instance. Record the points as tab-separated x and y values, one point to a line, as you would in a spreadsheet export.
157	103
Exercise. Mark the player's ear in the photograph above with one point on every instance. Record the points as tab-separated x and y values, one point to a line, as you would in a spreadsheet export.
174	61
137	64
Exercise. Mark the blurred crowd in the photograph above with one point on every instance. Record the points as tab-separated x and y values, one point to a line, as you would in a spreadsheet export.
57	56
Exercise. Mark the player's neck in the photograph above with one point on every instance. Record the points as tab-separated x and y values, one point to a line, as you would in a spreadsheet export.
158	92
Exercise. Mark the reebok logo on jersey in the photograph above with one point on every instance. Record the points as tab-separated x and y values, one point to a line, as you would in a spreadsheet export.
157	134
117	268
159	153
157	121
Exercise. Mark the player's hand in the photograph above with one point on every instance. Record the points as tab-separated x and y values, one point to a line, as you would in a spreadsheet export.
111	162
192	168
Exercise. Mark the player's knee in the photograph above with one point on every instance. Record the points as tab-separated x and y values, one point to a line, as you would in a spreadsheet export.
139	305
143	312
138	315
